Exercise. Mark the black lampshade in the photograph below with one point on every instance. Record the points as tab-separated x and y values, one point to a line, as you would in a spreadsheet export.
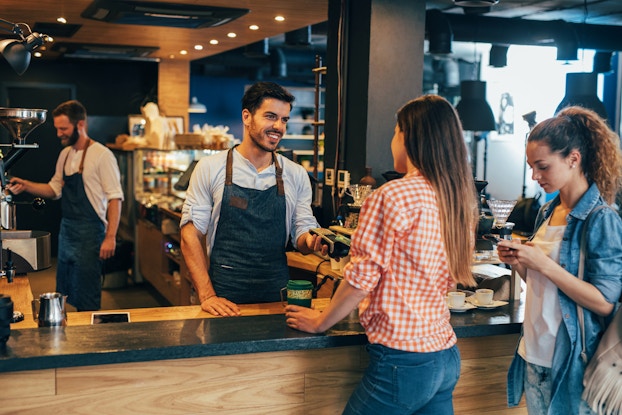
581	91
473	109
498	56
15	54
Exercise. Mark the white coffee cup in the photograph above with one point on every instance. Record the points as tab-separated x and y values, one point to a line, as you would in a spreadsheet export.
484	296
456	299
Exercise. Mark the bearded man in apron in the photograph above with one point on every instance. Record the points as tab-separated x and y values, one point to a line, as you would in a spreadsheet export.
88	179
249	201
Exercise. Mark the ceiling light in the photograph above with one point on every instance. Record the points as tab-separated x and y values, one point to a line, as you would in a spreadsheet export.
231	35
279	18
198	47
196	107
602	62
183	52
498	56
253	27
213	42
581	90
473	109
61	20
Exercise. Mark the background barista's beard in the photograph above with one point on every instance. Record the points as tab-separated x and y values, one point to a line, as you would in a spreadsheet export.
74	136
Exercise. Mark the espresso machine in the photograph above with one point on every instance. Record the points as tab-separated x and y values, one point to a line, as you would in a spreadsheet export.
23	250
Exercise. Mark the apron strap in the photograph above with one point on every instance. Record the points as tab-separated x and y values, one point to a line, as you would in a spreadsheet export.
279	175
88	143
229	168
277	166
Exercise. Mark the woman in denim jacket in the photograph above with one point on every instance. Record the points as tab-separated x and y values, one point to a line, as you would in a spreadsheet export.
576	153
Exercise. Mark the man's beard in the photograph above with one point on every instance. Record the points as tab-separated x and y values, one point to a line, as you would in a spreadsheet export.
73	138
256	136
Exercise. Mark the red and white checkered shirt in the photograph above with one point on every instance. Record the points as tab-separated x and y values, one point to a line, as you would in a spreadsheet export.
398	255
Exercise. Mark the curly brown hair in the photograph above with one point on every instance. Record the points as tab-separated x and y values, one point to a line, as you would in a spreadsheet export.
581	129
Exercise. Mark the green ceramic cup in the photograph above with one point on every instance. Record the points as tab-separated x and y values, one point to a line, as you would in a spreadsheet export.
297	292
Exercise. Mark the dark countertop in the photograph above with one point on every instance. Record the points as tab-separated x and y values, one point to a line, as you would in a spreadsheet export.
54	347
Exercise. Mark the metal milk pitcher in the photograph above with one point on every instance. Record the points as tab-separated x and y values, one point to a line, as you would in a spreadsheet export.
51	310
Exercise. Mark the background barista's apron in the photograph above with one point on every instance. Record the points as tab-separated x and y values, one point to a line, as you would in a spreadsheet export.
248	262
78	272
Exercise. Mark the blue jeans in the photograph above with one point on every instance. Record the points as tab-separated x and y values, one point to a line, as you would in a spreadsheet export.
538	387
399	382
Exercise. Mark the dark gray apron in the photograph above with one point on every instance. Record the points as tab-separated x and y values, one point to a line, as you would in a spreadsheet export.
248	262
78	273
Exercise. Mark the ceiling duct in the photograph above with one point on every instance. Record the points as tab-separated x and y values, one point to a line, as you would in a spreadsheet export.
300	37
530	32
189	16
278	63
97	51
439	32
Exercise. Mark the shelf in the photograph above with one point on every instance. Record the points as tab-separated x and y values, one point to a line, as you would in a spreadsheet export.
306	153
298	137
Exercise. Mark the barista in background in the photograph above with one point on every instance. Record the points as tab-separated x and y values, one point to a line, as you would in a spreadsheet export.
250	202
414	241
87	180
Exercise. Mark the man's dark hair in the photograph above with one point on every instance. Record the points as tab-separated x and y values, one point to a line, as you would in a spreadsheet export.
254	96
73	109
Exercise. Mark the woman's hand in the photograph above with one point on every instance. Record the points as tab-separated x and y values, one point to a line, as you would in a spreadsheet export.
506	250
303	318
526	255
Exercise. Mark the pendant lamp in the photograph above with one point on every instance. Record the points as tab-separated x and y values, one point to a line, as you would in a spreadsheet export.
196	107
475	113
581	91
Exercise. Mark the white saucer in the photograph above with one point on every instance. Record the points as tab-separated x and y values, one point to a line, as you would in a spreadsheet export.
496	303
465	307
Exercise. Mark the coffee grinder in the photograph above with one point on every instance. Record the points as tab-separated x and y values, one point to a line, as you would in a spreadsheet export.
485	222
31	246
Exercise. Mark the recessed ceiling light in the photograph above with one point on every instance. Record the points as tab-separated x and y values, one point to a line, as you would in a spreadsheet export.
253	27
171	56
61	20
231	35
183	52
213	42
279	18
37	54
198	47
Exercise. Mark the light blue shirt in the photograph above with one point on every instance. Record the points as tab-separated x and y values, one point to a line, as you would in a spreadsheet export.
603	269
204	195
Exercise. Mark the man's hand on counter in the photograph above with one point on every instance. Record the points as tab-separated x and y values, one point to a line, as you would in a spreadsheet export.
219	306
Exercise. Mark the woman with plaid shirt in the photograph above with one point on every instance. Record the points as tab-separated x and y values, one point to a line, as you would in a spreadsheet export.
413	243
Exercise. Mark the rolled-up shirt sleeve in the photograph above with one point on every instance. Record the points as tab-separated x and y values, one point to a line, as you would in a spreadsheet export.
199	203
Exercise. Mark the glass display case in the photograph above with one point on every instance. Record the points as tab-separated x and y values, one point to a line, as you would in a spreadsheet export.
148	177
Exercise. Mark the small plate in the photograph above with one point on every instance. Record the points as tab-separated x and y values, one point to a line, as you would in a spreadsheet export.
496	303
465	307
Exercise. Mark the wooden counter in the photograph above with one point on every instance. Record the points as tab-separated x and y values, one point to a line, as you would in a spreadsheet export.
180	360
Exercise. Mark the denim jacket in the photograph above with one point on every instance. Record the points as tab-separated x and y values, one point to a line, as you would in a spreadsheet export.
603	269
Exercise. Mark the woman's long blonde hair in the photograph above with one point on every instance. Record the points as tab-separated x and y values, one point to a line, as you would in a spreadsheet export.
436	147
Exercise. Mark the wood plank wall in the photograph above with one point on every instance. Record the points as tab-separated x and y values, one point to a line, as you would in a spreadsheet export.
289	382
174	88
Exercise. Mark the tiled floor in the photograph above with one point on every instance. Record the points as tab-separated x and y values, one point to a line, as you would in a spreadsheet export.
128	295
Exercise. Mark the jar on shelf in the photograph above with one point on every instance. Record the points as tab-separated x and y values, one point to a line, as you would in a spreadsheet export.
368	179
